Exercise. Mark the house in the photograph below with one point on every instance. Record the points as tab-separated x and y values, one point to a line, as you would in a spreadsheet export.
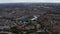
6	33
42	33
4	27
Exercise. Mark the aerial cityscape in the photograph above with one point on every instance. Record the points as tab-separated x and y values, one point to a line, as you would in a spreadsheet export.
30	18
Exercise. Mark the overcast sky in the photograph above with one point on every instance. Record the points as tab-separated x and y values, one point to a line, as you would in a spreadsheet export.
19	1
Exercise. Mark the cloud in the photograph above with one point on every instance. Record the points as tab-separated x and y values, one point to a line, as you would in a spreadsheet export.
13	1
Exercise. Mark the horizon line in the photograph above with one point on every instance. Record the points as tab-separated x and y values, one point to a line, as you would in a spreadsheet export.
28	2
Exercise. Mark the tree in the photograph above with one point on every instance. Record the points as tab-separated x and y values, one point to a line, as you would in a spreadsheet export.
15	30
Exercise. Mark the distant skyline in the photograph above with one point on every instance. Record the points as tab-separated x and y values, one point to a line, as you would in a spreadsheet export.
29	1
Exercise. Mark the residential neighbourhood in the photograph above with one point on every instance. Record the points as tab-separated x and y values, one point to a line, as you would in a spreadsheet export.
30	18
